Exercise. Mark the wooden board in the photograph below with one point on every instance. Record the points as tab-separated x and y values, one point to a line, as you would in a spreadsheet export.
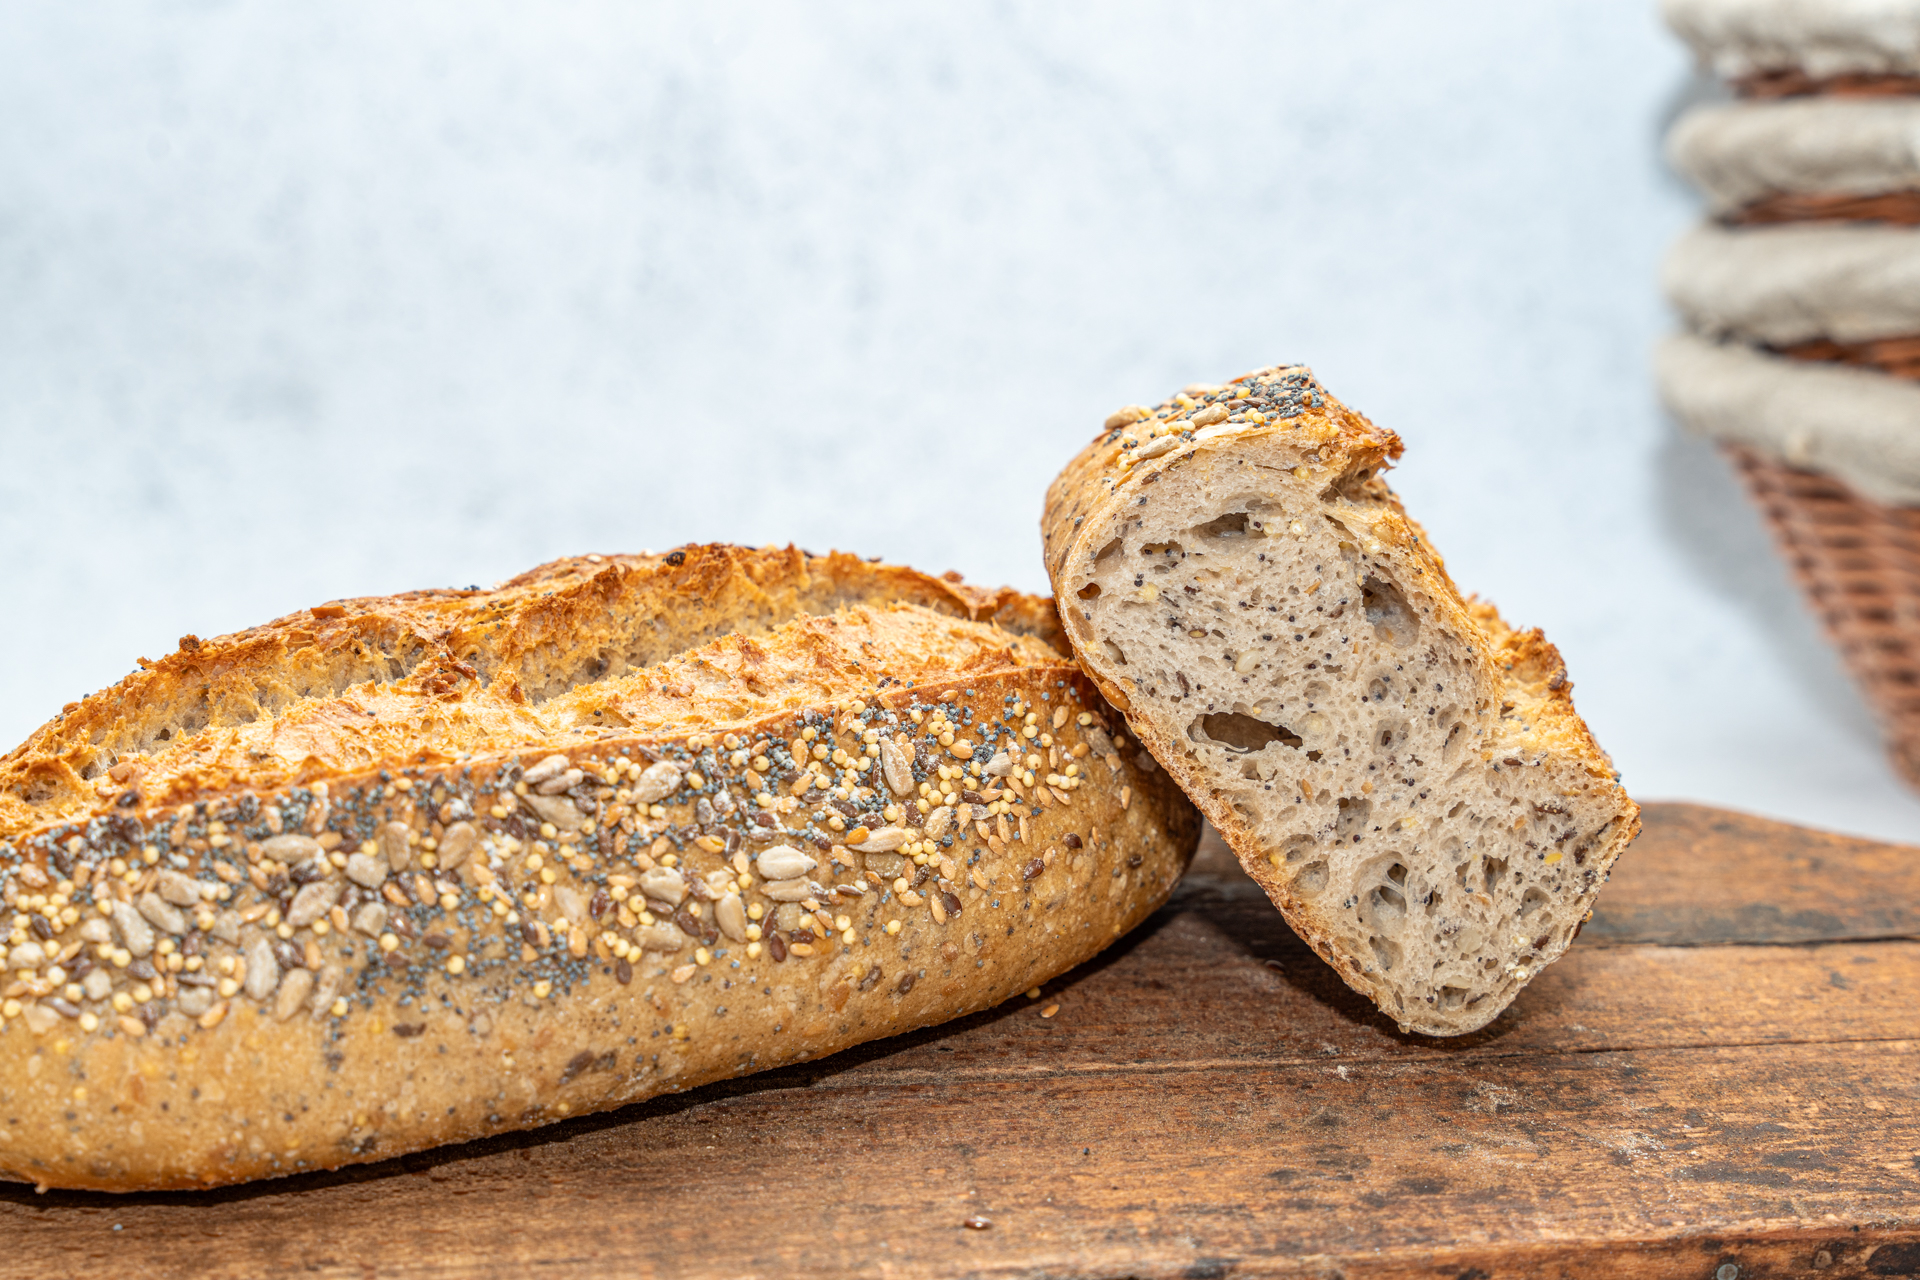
1723	1073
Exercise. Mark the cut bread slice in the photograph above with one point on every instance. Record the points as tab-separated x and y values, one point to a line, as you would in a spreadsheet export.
1403	774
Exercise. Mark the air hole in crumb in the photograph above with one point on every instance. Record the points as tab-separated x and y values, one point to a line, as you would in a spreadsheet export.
1397	874
1353	816
1237	732
1115	652
1298	847
1311	880
1386	907
1532	901
1231	525
1496	870
1394	734
1250	771
1167	549
1385	953
1455	811
1106	551
1452	998
1387	609
1090	592
1353	487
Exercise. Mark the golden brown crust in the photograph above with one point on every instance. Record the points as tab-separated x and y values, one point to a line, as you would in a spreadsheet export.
1538	688
327	936
469	665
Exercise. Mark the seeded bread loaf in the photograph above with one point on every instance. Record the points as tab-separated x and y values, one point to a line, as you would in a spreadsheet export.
397	872
1403	774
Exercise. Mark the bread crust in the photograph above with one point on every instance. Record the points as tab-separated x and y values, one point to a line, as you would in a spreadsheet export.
324	928
1336	450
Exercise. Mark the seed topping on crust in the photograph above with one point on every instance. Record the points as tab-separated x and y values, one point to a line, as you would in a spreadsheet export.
875	827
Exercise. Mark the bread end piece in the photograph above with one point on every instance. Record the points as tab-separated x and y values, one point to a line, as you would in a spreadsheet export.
1402	772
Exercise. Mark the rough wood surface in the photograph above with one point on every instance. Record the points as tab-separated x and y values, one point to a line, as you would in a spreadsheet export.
1723	1072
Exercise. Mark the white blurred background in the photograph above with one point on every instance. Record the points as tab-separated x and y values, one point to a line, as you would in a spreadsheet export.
299	302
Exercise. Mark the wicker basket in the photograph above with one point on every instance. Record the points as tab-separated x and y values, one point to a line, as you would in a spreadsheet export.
1859	564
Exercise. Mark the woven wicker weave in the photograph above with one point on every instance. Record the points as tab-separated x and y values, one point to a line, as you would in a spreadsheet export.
1859	564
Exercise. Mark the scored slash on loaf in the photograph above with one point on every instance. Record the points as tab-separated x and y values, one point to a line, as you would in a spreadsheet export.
414	870
1402	773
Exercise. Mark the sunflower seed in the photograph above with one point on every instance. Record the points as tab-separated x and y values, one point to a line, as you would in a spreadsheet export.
326	989
312	902
660	937
792	890
291	848
663	884
393	846
263	971
371	919
882	840
888	865
458	844
551	767
559	810
896	762
162	914
657	782
294	990
136	935
181	891
366	871
731	915
783	862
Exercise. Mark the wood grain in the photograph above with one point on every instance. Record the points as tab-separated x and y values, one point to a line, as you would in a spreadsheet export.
1672	1098
1699	877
